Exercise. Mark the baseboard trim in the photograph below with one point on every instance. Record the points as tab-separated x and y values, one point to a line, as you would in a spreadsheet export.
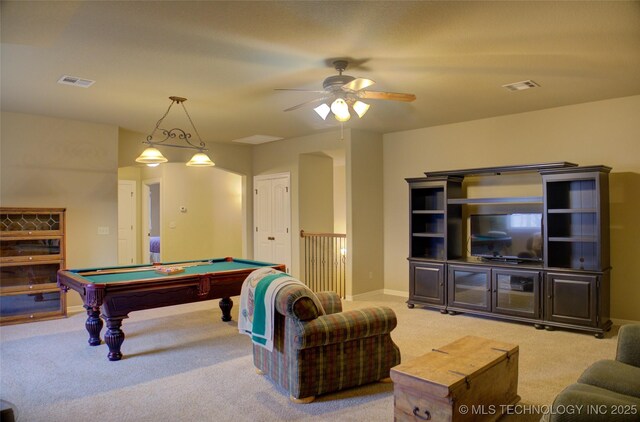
75	309
364	296
401	293
617	321
369	295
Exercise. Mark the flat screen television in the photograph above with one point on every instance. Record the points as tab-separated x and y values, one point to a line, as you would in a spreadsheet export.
514	236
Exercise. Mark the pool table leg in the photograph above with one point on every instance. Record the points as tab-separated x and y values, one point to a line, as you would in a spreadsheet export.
114	337
225	306
93	325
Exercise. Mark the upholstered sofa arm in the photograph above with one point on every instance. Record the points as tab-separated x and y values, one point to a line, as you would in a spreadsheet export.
629	345
294	301
344	326
330	302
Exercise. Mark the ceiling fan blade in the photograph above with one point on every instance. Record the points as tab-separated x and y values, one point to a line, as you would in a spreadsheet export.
358	84
395	96
300	90
317	100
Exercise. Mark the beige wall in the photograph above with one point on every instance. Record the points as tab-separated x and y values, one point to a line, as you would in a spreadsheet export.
365	240
283	157
316	193
339	198
234	158
212	227
363	186
603	132
48	162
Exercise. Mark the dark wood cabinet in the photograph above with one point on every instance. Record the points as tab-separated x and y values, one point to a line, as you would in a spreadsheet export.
469	287
427	283
435	225
516	292
577	299
569	288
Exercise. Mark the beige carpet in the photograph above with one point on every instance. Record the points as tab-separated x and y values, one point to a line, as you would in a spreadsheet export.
183	364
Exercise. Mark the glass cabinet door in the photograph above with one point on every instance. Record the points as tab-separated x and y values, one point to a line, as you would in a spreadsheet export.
516	292
470	287
29	276
39	223
12	250
34	305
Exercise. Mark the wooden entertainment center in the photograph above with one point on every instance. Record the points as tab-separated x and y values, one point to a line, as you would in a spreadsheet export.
567	286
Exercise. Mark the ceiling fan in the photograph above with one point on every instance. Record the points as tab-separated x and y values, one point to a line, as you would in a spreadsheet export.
344	92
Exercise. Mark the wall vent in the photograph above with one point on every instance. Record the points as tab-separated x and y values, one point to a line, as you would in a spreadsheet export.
75	81
520	86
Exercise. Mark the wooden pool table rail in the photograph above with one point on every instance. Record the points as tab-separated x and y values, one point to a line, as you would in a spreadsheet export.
117	299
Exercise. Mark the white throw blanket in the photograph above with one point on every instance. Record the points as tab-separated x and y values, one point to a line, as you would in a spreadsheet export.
256	320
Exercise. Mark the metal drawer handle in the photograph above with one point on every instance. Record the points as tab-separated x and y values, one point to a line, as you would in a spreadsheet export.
271	238
426	417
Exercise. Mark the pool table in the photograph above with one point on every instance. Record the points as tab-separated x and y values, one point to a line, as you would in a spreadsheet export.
120	290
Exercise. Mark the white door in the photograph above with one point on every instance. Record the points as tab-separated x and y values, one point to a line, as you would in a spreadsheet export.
126	222
272	219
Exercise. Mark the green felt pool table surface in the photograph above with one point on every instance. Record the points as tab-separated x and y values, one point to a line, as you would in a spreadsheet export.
111	293
208	266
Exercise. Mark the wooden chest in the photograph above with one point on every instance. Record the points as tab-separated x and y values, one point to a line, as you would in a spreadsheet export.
471	379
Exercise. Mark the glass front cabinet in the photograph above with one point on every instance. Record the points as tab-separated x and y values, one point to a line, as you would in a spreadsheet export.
565	284
516	292
32	250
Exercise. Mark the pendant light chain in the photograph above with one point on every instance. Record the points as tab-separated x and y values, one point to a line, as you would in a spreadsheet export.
191	121
161	119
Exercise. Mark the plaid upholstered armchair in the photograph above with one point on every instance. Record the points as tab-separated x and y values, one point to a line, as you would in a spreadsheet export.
315	353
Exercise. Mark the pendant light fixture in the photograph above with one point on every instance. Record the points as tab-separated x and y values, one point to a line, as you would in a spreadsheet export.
152	157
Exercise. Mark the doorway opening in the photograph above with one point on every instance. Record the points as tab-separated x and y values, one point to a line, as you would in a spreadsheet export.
151	233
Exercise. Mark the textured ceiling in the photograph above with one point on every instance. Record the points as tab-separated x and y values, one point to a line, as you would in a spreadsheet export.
228	57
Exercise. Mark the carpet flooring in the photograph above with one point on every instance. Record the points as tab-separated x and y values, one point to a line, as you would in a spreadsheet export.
182	363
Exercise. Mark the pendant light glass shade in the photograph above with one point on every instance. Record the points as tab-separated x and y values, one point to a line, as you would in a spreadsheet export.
360	108
151	155
200	159
340	110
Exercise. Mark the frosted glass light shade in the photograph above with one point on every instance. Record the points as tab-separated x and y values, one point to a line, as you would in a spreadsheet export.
360	108
200	159
340	110
151	155
322	110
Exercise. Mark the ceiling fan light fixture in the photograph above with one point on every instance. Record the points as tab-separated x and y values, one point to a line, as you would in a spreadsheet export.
152	157
340	110
360	108
323	110
200	159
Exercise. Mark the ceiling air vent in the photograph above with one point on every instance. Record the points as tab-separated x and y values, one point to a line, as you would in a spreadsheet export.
520	86
72	80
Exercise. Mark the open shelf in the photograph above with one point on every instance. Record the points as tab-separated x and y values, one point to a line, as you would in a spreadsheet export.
573	239
502	200
572	245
